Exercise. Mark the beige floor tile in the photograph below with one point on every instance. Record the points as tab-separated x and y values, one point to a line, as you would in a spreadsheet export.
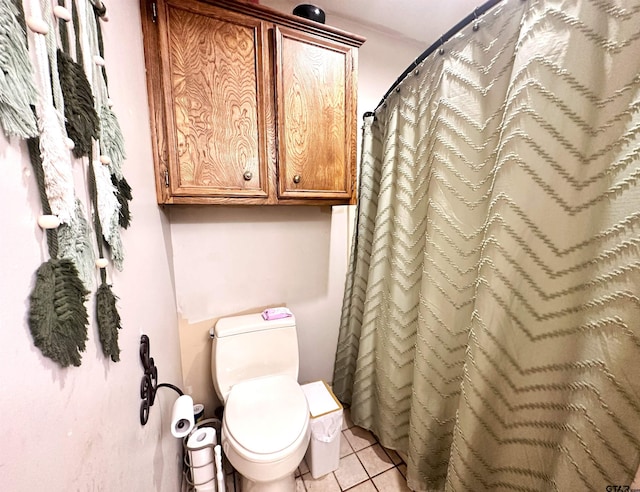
374	460
364	487
395	457
403	469
327	483
391	481
359	438
347	423
350	472
300	485
345	447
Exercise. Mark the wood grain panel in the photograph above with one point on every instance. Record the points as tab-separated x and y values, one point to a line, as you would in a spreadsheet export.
216	103
156	106
236	87
314	105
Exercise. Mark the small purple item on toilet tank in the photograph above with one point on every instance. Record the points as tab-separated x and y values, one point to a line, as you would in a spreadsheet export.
276	313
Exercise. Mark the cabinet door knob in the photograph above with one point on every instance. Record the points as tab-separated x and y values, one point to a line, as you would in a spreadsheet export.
296	179
247	175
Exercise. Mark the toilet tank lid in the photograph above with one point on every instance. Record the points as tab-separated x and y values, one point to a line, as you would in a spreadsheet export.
235	325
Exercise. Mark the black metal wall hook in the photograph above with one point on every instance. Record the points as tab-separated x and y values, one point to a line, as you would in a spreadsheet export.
149	383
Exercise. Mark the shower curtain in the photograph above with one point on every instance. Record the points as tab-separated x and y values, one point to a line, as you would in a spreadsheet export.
491	318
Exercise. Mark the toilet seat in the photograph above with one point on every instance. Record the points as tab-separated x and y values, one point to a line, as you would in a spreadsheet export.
265	417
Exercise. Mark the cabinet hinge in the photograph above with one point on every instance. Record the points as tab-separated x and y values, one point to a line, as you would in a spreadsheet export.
166	178
154	11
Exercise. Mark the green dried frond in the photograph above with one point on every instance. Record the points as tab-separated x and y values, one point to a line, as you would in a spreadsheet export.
124	196
108	321
82	121
58	318
17	89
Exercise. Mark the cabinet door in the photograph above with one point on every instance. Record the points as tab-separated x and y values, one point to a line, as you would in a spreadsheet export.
215	76
315	99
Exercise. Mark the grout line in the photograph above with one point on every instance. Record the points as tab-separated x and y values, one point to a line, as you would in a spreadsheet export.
370	478
388	455
362	464
304	485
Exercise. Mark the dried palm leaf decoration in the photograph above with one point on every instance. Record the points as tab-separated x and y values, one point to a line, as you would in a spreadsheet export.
54	152
74	232
74	242
109	321
17	90
103	201
106	190
124	196
111	199
111	138
82	121
58	318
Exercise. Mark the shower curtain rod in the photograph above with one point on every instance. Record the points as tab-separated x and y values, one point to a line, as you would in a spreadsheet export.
478	11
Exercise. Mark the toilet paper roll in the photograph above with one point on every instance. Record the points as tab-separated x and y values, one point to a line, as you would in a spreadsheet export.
182	416
200	446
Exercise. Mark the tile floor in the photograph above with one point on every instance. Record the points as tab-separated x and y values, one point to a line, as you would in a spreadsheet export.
365	466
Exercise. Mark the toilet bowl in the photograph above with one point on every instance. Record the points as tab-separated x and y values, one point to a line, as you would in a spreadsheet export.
265	432
265	425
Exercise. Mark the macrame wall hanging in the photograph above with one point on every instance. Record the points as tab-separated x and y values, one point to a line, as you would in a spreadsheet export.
111	138
80	108
17	90
81	119
115	212
74	237
68	120
114	193
58	318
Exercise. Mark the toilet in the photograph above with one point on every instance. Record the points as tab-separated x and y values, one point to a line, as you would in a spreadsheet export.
265	424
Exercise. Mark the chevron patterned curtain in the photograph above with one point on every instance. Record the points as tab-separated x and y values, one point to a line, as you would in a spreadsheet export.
491	319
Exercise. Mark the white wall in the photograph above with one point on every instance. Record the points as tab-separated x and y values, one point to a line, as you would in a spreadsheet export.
382	58
78	429
231	260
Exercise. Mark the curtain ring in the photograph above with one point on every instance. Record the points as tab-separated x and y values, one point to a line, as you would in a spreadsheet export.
441	50
476	23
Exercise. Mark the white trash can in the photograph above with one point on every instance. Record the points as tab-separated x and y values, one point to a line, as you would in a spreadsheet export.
323	454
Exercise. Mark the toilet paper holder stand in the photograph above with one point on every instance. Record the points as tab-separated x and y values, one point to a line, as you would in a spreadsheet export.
149	383
189	467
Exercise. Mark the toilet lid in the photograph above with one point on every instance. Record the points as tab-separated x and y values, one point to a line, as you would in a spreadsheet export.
266	415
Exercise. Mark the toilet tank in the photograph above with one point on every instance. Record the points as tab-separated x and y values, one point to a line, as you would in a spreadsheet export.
248	346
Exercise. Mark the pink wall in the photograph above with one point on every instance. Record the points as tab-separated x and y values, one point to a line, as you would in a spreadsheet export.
230	260
78	428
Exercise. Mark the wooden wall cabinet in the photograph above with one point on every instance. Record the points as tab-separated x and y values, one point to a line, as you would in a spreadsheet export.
249	106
